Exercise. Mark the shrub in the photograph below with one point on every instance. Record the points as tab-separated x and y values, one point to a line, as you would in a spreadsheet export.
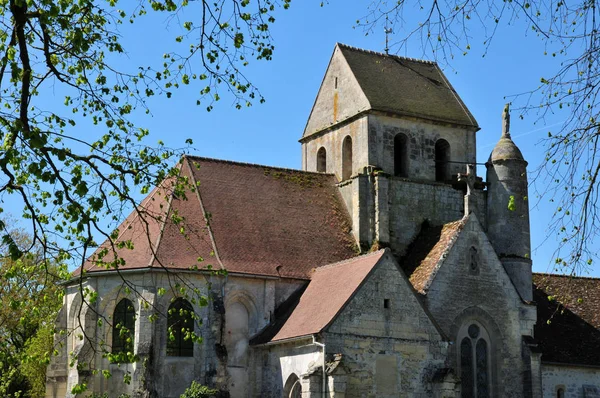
197	390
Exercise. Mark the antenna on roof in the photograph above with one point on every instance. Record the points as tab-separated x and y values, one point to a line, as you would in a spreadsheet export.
387	34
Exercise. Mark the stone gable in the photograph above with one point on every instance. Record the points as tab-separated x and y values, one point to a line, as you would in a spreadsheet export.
386	338
473	286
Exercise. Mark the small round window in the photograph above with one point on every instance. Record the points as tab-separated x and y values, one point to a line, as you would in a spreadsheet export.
473	331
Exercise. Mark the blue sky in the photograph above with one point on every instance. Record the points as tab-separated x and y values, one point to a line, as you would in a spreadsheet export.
304	38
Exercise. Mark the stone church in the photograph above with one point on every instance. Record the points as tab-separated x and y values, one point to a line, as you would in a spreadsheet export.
384	268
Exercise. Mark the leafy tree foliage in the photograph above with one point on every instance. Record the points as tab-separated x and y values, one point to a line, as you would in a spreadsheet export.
71	154
197	390
71	183
29	302
569	31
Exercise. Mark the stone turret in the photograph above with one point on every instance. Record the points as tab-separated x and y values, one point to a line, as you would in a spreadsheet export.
508	209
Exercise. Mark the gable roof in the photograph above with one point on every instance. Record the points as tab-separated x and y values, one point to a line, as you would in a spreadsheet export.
259	220
406	86
334	284
428	250
568	318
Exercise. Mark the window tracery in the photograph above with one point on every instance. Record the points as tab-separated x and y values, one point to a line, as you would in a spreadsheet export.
293	387
474	360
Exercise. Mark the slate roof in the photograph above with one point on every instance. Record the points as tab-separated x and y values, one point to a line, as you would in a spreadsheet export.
406	86
334	284
261	220
427	250
568	318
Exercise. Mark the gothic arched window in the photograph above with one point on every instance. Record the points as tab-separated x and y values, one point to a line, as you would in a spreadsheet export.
322	160
475	361
123	330
293	387
347	158
560	392
180	321
401	155
442	159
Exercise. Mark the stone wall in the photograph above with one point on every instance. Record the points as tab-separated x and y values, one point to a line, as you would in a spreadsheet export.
164	375
422	137
340	97
391	210
332	142
460	295
388	343
572	379
283	361
412	202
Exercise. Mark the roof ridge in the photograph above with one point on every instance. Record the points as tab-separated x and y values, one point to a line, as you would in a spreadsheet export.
247	164
348	260
460	225
424	61
567	276
209	228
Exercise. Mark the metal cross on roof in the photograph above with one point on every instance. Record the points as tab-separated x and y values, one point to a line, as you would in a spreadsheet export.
387	31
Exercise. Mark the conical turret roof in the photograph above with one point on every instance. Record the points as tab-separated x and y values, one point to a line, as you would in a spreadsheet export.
506	149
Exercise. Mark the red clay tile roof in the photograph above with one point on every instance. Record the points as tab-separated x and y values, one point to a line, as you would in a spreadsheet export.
261	220
568	318
280	316
333	284
425	253
142	227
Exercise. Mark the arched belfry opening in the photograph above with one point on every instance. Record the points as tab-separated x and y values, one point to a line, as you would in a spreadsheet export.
322	160
442	160
401	155
347	158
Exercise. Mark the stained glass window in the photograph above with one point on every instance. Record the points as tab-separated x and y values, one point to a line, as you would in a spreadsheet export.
466	362
474	363
481	364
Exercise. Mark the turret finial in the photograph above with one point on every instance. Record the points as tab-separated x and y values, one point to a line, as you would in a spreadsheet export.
506	121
